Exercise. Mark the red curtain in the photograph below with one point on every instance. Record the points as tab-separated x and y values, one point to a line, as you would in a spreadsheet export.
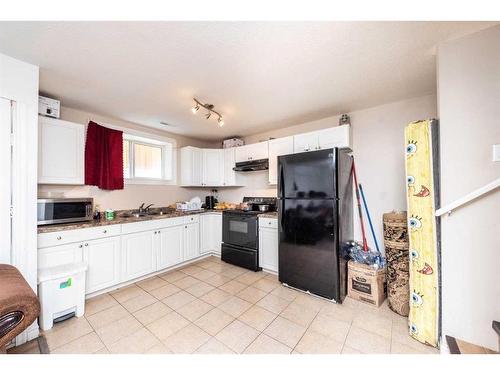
104	157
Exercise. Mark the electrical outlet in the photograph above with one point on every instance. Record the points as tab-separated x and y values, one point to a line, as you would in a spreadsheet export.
496	152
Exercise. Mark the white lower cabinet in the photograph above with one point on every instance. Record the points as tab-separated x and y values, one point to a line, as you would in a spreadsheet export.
170	250
210	233
138	254
133	250
268	244
103	260
191	241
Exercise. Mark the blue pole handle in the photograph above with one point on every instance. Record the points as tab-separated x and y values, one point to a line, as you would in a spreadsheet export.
369	218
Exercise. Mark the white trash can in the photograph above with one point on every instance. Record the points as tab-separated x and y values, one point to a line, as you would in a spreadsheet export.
61	291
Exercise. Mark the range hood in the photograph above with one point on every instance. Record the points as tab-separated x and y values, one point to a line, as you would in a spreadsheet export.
252	165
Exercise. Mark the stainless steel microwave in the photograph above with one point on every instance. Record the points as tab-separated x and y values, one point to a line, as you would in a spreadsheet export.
64	210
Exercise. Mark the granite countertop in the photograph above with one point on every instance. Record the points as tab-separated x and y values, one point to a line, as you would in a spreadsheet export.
122	217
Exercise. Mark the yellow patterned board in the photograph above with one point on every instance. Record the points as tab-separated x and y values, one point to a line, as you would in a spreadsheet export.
423	231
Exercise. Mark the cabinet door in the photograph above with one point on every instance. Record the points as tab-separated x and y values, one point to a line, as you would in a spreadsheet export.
206	234
60	152
334	137
229	163
59	255
103	260
305	142
191	241
191	166
138	254
217	232
257	151
268	249
241	154
213	167
277	147
170	249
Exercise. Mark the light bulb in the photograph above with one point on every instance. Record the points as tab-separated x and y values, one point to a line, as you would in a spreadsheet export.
195	109
221	122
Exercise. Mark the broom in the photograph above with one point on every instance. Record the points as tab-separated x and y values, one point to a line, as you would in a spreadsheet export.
360	211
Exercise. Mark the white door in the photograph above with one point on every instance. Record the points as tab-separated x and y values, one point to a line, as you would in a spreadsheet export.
206	233
241	154
103	260
305	142
277	147
138	255
258	151
229	163
337	136
268	249
217	232
191	241
170	248
60	152
5	181
191	166
213	167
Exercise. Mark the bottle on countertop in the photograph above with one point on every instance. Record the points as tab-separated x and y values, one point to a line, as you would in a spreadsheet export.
97	213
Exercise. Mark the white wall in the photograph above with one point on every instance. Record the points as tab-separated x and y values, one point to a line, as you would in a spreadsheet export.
469	110
132	195
378	144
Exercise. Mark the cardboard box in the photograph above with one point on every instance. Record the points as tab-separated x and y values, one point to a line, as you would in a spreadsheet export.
366	284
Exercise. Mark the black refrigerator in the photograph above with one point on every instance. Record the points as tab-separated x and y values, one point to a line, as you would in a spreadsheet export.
315	211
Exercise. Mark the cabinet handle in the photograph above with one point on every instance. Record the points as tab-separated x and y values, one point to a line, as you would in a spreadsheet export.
269	223
104	231
80	246
185	226
86	244
59	237
159	231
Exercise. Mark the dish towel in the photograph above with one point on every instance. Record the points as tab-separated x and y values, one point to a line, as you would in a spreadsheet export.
104	157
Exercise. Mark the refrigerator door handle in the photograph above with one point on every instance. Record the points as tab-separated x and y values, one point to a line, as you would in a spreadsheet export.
281	203
280	182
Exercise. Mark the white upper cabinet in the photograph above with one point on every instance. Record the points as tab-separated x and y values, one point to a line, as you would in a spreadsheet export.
60	152
207	167
229	163
305	142
254	151
334	137
213	167
338	136
191	166
277	147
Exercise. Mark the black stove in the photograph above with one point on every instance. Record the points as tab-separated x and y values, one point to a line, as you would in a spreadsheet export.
240	232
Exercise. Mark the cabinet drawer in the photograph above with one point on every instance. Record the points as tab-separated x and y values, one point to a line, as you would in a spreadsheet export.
77	235
191	219
266	222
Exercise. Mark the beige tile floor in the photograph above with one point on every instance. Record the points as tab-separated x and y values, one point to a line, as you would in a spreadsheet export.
213	307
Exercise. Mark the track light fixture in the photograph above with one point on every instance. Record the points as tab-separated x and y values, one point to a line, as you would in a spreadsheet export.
210	109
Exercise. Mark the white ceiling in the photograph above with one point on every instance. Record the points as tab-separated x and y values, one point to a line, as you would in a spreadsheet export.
259	75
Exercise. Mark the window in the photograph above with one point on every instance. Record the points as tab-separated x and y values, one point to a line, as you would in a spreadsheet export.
147	160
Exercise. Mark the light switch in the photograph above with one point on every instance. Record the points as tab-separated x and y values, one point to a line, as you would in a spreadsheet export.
496	152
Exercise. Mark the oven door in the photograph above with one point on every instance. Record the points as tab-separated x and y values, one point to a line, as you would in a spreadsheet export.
52	211
240	230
